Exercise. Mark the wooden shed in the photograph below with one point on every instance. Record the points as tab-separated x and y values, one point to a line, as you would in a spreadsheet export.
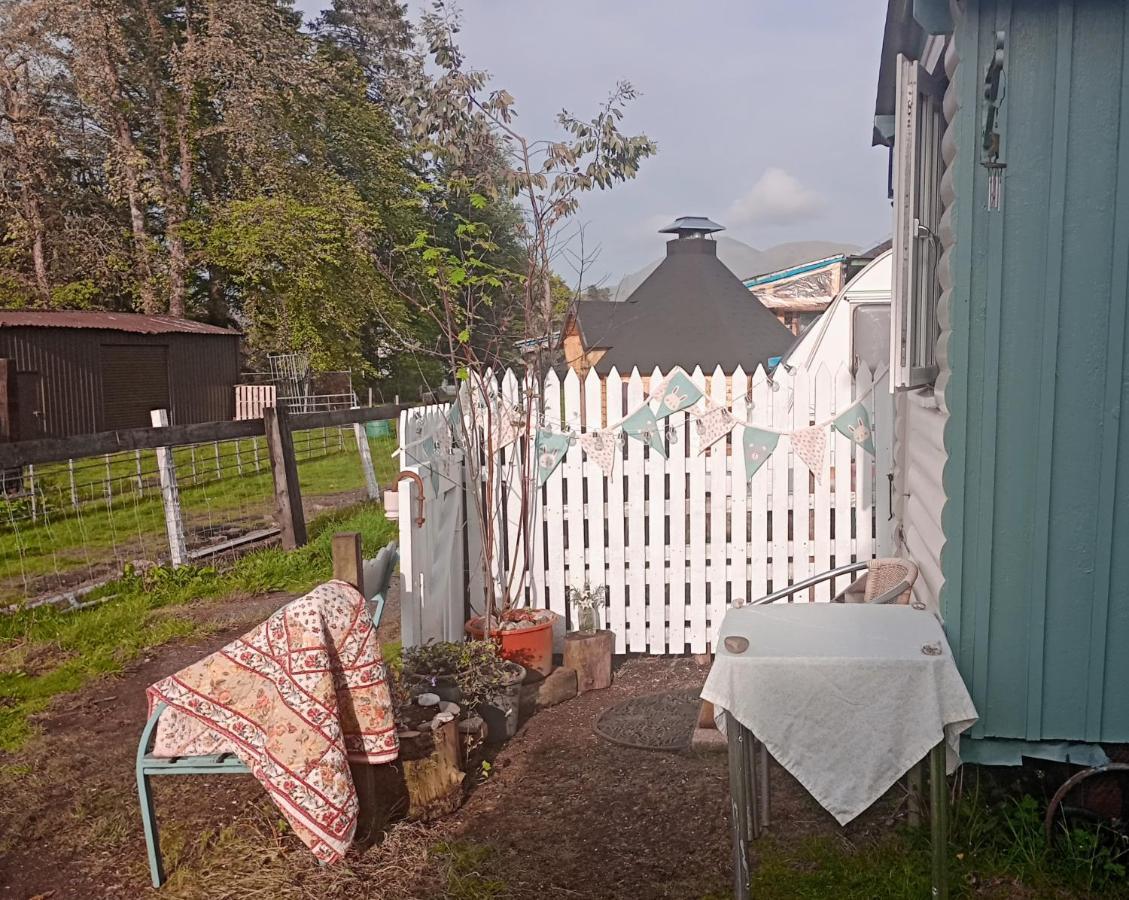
76	372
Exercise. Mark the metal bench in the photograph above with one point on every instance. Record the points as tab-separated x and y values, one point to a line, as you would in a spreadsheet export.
375	576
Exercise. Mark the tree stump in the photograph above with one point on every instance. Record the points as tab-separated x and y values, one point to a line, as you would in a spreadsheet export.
590	656
425	783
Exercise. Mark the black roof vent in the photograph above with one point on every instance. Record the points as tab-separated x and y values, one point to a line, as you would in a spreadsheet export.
692	227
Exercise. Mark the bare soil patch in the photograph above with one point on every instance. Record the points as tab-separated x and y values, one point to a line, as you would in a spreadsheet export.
562	812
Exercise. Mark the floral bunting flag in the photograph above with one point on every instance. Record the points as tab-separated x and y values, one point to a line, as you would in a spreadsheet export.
643	426
503	432
675	393
757	446
713	425
600	447
551	448
810	444
855	424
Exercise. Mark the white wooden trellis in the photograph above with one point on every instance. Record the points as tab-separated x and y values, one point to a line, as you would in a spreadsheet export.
674	541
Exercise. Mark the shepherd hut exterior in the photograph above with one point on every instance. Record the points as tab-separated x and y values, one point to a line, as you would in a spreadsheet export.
1011	288
77	372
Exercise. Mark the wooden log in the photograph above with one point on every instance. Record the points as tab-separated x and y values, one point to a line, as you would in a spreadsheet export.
590	655
432	774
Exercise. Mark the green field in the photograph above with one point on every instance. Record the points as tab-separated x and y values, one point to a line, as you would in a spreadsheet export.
222	493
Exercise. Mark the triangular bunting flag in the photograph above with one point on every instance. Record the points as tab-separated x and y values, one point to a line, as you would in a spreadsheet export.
455	420
551	448
643	426
855	424
757	446
810	444
713	425
600	447
675	393
502	429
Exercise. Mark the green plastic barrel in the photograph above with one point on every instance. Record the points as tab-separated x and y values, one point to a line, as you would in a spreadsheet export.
380	428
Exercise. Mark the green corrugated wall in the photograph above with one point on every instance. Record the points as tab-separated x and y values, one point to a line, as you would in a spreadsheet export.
1037	558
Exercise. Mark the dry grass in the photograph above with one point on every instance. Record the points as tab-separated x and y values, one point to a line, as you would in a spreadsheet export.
256	857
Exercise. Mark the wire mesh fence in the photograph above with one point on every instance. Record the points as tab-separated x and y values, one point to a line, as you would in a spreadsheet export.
67	526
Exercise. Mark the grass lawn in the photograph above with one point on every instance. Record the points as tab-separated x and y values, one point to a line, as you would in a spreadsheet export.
68	546
45	652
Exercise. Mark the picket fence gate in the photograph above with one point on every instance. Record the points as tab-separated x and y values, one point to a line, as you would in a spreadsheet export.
675	541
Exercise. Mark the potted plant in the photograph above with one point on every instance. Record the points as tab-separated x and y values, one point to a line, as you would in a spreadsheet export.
524	636
435	667
588	650
588	603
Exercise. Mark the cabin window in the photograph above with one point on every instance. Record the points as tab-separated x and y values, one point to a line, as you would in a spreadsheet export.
917	225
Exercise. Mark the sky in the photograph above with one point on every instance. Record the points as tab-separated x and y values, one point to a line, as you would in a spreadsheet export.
761	109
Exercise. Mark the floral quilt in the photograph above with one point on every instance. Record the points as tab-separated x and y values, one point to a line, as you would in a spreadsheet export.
297	699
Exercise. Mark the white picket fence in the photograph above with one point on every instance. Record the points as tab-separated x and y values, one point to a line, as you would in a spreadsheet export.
676	541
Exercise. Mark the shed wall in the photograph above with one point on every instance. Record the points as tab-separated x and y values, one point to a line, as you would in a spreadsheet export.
1036	565
203	370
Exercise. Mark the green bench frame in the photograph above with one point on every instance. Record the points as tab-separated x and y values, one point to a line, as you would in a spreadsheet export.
375	578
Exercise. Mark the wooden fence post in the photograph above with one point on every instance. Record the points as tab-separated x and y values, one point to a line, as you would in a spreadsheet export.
284	468
170	495
348	563
371	484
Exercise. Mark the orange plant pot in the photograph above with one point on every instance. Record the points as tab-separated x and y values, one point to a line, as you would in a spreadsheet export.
530	647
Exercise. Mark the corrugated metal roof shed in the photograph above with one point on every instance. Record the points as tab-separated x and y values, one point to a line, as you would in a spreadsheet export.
109	321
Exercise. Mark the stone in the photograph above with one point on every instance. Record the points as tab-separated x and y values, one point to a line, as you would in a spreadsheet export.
428	699
556	688
471	725
446	706
703	659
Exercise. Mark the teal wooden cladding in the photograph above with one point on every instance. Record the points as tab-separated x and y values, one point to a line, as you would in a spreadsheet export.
1036	563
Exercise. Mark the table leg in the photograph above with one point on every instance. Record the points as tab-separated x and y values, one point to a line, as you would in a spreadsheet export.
939	816
739	796
763	788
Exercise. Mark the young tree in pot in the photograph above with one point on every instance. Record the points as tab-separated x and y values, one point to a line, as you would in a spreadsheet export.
483	303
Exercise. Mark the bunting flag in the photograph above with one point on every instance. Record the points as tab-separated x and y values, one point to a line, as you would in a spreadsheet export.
600	447
713	425
855	424
675	393
551	448
455	420
502	430
643	426
757	446
810	444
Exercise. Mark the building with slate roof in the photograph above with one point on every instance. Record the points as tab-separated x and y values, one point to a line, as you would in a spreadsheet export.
690	311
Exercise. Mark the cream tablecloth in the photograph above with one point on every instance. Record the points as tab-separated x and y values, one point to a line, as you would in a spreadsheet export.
847	697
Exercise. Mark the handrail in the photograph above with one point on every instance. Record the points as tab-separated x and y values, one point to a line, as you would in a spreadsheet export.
810	582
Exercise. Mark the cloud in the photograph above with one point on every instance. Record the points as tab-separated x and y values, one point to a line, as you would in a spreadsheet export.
776	198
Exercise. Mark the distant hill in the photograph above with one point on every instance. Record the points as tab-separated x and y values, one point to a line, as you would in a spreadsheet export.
745	261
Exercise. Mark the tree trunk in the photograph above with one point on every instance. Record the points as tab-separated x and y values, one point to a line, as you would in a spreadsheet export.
590	655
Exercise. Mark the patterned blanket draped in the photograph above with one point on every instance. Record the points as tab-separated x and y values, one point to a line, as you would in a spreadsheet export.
296	699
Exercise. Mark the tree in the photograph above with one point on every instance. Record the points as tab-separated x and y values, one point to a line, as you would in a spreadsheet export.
468	129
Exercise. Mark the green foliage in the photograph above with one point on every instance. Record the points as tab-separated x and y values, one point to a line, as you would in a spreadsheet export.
464	863
45	652
999	850
476	667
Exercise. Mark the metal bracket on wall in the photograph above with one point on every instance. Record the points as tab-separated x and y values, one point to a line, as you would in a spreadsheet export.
995	88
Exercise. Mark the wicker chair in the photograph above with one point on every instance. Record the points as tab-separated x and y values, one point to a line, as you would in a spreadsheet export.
883	581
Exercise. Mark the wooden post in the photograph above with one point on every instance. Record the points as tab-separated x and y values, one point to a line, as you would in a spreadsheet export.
590	656
74	487
365	452
140	480
284	468
170	495
348	562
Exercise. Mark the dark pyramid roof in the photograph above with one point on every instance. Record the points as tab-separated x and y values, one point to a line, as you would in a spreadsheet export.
690	311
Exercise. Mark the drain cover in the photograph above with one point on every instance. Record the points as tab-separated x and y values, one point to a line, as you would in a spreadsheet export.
654	722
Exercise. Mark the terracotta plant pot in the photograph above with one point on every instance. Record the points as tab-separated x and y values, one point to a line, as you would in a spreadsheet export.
530	647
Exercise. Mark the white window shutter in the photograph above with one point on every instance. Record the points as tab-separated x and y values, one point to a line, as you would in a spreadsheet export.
917	212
